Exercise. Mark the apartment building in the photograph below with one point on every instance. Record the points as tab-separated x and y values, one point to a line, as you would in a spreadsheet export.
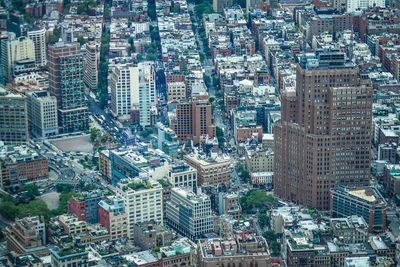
212	170
85	206
245	249
66	84
91	66
149	235
193	120
16	50
112	215
27	236
21	165
42	113
176	91
69	256
189	213
38	36
13	118
142	200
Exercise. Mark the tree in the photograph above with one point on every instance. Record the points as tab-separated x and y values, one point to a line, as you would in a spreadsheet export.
276	247
55	36
94	134
270	236
8	210
81	40
63	188
257	200
263	220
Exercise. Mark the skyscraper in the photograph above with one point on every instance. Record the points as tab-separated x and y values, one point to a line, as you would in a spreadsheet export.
124	85
324	136
147	92
91	66
38	36
66	84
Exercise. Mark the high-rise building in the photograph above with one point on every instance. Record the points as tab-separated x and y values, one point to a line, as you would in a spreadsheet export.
147	92
15	23
193	120
38	36
14	50
124	85
13	118
42	113
176	91
143	201
91	66
324	136
66	84
189	213
131	86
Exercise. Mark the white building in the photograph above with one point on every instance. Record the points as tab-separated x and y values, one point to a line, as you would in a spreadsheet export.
90	71
124	85
13	50
133	85
189	213
142	199
42	113
261	178
353	5
38	36
147	92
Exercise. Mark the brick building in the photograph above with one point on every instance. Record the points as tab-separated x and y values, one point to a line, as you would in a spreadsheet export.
329	113
85	206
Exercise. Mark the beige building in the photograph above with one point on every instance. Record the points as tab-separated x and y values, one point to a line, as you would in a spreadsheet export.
38	36
176	91
91	65
183	176
259	160
15	50
71	224
112	215
142	200
42	113
268	141
212	170
27	235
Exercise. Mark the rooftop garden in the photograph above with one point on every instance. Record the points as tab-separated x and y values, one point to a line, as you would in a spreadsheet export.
68	251
137	186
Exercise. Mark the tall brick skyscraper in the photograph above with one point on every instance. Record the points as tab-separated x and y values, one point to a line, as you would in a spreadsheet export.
324	137
66	84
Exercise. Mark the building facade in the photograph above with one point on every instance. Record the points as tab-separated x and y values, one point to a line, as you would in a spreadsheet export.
14	50
112	215
38	36
176	91
142	201
183	176
91	66
365	202
27	236
13	118
85	206
210	171
42	113
324	136
66	84
193	120
66	257
189	213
